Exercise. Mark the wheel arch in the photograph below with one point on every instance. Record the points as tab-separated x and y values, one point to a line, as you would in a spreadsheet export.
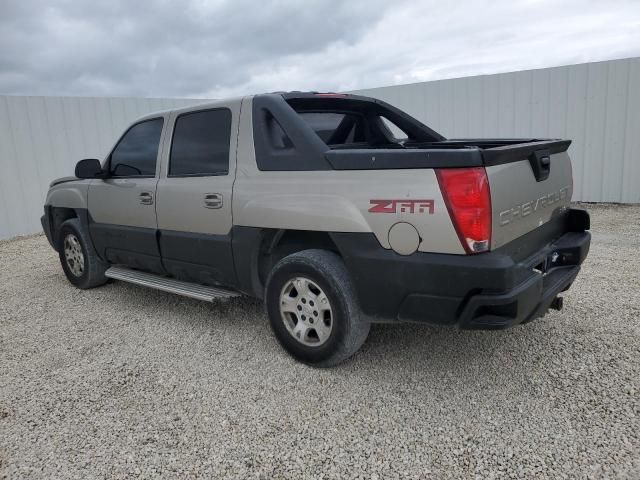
59	215
258	250
64	201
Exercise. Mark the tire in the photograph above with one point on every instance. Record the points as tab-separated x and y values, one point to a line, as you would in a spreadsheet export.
78	258
333	328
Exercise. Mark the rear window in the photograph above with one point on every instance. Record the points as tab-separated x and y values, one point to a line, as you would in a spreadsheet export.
394	130
353	122
335	128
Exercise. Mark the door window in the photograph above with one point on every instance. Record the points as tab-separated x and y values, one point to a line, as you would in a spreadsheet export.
200	145
137	152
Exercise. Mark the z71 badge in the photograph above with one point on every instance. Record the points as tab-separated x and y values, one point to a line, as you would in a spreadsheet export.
401	206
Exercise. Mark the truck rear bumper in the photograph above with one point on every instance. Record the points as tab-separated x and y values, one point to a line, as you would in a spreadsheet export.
521	303
514	284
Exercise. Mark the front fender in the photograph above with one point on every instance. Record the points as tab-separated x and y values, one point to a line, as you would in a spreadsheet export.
69	195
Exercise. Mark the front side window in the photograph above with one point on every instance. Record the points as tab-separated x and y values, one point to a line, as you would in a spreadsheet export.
200	143
137	152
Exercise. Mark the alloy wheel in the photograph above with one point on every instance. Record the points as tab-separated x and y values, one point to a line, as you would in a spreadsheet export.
73	255
306	311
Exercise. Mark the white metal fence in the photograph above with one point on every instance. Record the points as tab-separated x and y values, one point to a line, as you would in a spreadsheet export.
597	105
42	138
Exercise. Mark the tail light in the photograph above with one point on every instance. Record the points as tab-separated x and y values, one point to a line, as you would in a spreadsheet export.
466	194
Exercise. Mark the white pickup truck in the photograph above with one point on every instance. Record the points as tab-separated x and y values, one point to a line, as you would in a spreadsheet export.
338	210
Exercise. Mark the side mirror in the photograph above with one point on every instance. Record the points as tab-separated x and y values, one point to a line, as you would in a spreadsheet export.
89	168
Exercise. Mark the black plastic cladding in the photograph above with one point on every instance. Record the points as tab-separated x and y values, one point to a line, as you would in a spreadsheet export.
308	152
319	102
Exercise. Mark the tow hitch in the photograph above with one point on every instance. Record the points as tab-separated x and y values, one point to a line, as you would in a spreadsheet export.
557	303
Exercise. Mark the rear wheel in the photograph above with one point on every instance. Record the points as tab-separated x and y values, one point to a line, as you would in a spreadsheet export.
313	310
79	260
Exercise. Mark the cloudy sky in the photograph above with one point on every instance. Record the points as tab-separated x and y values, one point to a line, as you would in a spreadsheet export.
218	48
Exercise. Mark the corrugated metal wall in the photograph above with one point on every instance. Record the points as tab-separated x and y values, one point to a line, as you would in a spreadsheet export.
597	105
42	138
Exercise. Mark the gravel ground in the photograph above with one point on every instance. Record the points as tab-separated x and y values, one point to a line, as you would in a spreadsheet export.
123	381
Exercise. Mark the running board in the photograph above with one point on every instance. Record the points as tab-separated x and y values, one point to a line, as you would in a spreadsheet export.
193	290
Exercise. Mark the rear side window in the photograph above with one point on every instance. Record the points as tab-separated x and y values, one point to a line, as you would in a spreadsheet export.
200	143
137	151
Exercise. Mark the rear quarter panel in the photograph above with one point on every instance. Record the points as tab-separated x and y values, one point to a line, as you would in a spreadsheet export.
338	201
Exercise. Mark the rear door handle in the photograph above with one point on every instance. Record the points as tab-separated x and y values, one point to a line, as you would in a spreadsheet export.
146	198
212	200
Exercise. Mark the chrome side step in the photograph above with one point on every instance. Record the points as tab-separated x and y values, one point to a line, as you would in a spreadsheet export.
193	290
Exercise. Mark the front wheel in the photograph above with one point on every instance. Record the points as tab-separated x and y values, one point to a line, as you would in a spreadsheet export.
313	310
79	260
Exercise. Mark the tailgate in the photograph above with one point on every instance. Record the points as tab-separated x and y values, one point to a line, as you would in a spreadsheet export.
530	183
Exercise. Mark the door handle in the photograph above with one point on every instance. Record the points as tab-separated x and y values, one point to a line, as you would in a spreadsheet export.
146	198
212	200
